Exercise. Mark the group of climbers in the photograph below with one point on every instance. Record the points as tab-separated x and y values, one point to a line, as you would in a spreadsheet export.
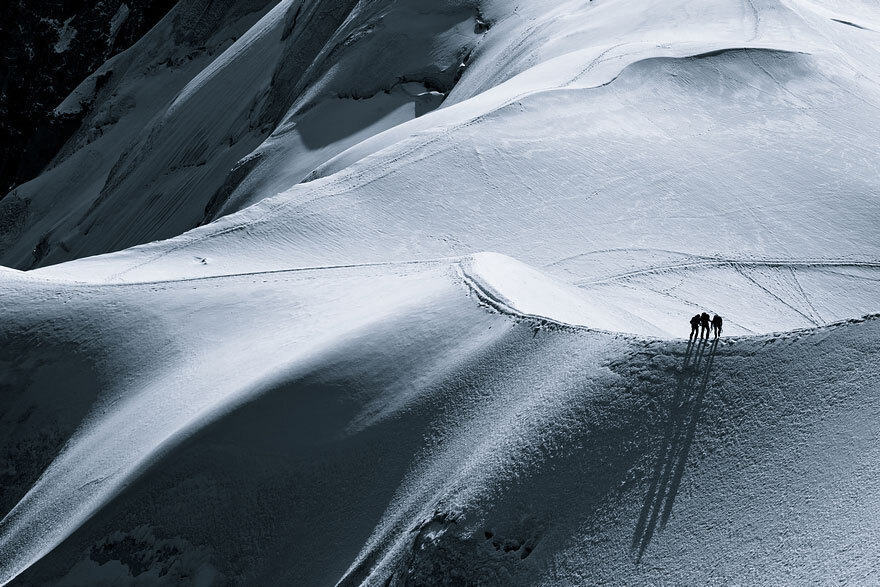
700	326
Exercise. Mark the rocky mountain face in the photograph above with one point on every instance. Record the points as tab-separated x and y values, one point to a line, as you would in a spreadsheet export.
48	48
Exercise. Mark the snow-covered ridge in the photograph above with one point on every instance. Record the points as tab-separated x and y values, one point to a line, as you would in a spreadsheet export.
236	385
800	288
706	170
513	287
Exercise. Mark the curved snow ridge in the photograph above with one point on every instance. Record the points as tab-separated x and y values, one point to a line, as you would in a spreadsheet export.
512	287
584	69
146	417
516	289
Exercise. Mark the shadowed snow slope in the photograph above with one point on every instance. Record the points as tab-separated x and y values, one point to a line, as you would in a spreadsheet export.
387	423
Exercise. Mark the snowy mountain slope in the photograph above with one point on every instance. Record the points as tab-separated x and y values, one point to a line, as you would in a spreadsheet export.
155	389
378	423
123	98
683	168
572	45
175	163
329	382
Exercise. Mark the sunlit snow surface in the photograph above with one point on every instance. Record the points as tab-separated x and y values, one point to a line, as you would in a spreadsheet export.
432	327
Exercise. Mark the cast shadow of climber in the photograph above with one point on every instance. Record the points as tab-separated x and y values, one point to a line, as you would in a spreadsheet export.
684	414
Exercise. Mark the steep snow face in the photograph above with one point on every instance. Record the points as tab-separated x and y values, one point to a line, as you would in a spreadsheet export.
51	215
174	143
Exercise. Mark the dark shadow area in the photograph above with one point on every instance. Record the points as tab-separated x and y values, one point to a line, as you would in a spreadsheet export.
48	49
852	24
684	414
337	120
45	393
244	491
275	478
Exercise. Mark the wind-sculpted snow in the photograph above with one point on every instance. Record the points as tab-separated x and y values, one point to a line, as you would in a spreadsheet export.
394	423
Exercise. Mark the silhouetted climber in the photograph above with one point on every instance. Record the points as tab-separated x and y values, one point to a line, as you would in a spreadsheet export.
695	327
716	325
704	323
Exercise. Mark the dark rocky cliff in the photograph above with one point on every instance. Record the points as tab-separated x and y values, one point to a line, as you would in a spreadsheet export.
47	49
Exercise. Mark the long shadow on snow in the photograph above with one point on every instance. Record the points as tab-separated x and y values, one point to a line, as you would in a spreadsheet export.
684	412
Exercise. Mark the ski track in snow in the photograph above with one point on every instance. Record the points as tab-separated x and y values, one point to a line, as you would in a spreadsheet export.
733	263
738	265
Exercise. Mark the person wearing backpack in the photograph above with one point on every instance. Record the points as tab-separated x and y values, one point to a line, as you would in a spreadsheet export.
716	325
704	325
695	327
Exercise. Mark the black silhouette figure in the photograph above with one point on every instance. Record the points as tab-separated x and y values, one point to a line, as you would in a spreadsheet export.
704	325
716	325
684	410
695	327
